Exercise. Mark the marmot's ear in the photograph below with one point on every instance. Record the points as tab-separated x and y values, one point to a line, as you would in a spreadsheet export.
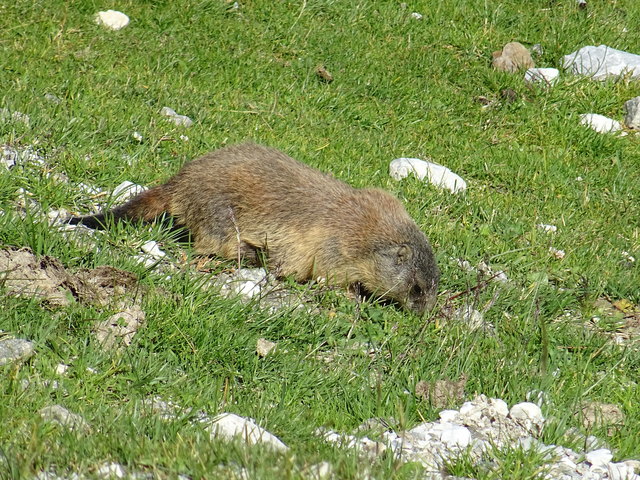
404	253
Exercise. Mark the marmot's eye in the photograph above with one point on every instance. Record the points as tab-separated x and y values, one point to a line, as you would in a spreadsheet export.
416	291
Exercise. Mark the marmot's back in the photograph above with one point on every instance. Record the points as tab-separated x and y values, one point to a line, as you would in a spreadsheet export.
248	200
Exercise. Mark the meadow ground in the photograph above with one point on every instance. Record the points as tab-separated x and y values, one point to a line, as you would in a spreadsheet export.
402	87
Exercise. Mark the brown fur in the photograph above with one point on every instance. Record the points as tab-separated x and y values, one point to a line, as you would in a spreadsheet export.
247	199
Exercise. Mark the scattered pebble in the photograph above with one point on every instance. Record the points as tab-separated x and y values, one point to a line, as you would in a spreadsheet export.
599	457
120	328
244	282
537	49
230	425
137	136
179	120
628	258
559	254
12	156
264	347
499	276
7	115
600	123
547	228
416	15
61	369
153	249
112	19
111	470
528	415
52	98
126	190
513	57
362	444
632	113
61	416
547	76
436	174
15	350
323	74
472	318
601	62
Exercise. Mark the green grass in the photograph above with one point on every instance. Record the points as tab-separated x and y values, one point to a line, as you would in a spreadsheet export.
402	88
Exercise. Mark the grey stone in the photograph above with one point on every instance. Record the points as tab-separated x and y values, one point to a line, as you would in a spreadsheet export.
632	113
15	350
61	416
601	62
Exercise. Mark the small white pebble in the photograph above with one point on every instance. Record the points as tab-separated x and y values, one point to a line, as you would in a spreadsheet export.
126	190
559	254
416	15
111	470
112	19
628	258
61	369
184	138
137	136
600	123
545	76
437	175
547	228
600	457
152	248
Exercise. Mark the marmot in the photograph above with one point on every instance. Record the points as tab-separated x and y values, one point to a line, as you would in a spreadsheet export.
257	203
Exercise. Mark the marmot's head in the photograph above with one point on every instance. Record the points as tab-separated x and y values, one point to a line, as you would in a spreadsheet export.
405	271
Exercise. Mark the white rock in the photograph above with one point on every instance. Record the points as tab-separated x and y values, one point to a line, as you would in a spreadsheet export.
600	123
416	15
229	425
153	249
112	19
90	189
60	415
600	457
449	416
111	470
498	407
601	61
471	317
557	253
528	415
453	435
137	136
437	175
58	216
120	328
264	347
126	190
548	76
632	113
547	228
52	98
179	120
7	115
620	471
61	369
15	350
244	282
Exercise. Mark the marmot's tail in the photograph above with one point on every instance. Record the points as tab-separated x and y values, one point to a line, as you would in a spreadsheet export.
143	207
